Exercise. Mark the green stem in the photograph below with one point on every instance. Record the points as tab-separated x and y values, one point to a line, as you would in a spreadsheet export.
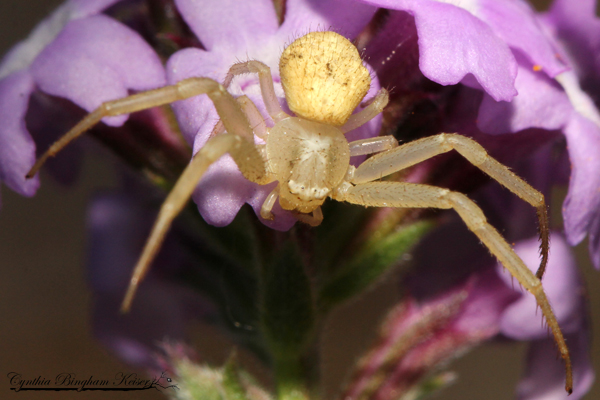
291	379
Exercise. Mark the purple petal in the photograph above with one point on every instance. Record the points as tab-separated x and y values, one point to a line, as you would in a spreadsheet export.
516	23
544	378
87	8
594	239
582	204
135	337
17	149
118	227
222	192
482	310
197	115
578	29
229	25
23	54
347	17
283	220
563	287
97	59
454	43
541	103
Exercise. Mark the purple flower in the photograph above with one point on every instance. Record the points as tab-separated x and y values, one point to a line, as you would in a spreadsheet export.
551	62
564	288
421	333
492	69
118	225
77	54
501	47
491	304
93	58
577	30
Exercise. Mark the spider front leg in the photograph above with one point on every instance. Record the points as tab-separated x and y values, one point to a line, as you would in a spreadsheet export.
243	151
313	219
141	101
372	145
375	107
412	153
265	80
411	195
239	142
250	163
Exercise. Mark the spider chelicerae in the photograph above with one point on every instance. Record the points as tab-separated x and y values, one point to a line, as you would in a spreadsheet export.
324	80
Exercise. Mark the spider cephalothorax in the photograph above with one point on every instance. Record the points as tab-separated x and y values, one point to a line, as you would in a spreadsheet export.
308	159
308	155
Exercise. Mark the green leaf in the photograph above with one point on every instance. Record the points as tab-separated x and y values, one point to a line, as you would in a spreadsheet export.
368	264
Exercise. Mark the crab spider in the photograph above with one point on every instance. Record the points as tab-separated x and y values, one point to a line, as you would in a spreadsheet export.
324	80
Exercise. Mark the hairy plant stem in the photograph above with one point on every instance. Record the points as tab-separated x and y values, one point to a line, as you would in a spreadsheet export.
291	379
298	375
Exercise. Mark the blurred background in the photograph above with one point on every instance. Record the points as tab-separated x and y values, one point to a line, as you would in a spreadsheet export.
44	300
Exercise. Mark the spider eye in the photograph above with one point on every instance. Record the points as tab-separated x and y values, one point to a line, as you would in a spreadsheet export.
307	193
323	77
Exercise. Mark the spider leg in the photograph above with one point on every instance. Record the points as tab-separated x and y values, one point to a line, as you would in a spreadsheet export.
374	108
239	142
409	154
401	194
372	145
252	166
244	152
257	122
266	85
141	101
267	207
313	219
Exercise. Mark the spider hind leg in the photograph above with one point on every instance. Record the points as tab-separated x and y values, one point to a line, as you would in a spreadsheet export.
412	195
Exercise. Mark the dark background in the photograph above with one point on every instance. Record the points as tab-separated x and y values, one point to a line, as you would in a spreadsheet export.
44	301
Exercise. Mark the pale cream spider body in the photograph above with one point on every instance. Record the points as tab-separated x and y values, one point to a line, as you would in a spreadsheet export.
324	80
